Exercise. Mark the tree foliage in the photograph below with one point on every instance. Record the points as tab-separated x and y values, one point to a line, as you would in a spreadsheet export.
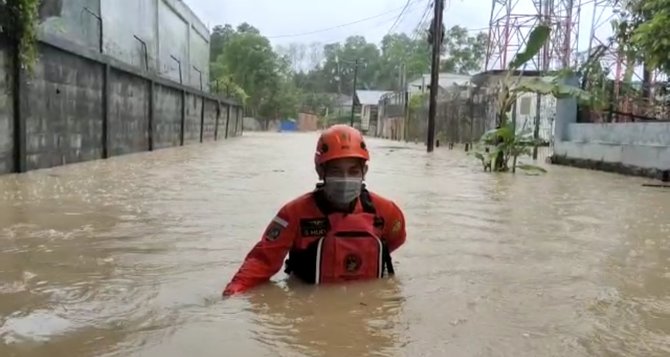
278	82
643	32
18	22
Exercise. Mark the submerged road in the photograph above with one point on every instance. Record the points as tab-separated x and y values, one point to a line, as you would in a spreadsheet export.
128	256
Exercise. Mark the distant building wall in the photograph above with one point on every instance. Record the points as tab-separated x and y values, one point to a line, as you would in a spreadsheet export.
393	128
526	110
161	36
307	122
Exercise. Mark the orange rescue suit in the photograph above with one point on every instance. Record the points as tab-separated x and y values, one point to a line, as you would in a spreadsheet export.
325	246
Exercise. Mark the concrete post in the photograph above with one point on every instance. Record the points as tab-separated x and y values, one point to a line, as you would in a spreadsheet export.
183	117
152	109
20	104
216	123
105	110
227	119
566	113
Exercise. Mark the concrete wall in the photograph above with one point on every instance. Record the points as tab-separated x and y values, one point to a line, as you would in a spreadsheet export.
126	22
74	20
6	113
641	149
160	36
78	106
641	146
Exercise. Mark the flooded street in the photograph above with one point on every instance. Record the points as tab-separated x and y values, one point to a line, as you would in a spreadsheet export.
128	257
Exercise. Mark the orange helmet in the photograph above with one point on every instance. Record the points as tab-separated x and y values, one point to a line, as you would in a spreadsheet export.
340	141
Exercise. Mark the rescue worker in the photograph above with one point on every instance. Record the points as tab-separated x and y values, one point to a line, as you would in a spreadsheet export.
338	232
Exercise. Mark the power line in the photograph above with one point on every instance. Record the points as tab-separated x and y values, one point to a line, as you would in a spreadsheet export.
343	25
403	10
421	20
398	18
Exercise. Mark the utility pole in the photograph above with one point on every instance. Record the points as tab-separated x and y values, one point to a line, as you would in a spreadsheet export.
353	96
434	72
405	102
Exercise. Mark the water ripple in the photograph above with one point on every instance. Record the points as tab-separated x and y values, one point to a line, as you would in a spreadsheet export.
127	257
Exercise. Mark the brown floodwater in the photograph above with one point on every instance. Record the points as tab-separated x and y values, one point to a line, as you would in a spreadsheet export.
128	256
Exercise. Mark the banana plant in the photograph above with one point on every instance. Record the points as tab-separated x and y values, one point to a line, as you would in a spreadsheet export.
506	143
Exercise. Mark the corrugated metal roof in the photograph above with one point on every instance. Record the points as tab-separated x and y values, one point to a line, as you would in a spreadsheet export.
445	80
370	97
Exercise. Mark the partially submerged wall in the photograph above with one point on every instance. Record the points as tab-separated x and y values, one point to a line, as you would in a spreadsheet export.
641	149
79	105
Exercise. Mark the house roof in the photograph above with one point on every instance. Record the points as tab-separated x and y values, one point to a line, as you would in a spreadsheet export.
444	79
483	77
370	97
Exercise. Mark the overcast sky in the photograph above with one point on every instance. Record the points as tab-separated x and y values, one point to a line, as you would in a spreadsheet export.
283	21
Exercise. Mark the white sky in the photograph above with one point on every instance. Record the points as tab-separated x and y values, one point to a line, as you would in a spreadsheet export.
279	18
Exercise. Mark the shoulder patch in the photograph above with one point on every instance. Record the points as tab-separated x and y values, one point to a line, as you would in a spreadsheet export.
273	232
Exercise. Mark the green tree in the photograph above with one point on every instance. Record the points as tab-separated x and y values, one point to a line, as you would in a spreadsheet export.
465	54
248	69
275	83
400	49
643	32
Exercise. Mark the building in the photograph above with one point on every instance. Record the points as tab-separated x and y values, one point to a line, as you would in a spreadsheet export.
527	106
161	36
368	101
445	80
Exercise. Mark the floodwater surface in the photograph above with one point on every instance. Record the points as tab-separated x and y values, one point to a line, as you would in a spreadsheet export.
128	257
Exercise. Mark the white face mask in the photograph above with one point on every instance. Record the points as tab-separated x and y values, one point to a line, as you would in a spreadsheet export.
342	191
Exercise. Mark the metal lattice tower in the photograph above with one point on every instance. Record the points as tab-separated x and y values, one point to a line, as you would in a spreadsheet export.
509	31
611	60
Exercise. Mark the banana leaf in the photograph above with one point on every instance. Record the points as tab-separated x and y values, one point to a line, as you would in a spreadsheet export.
538	37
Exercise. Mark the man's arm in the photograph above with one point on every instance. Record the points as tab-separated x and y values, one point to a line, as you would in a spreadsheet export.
394	227
267	256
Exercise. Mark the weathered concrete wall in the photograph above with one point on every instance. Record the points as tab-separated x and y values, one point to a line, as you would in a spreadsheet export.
168	117
209	123
128	23
252	124
160	36
232	121
64	115
79	105
641	149
6	113
635	134
193	114
128	113
74	20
